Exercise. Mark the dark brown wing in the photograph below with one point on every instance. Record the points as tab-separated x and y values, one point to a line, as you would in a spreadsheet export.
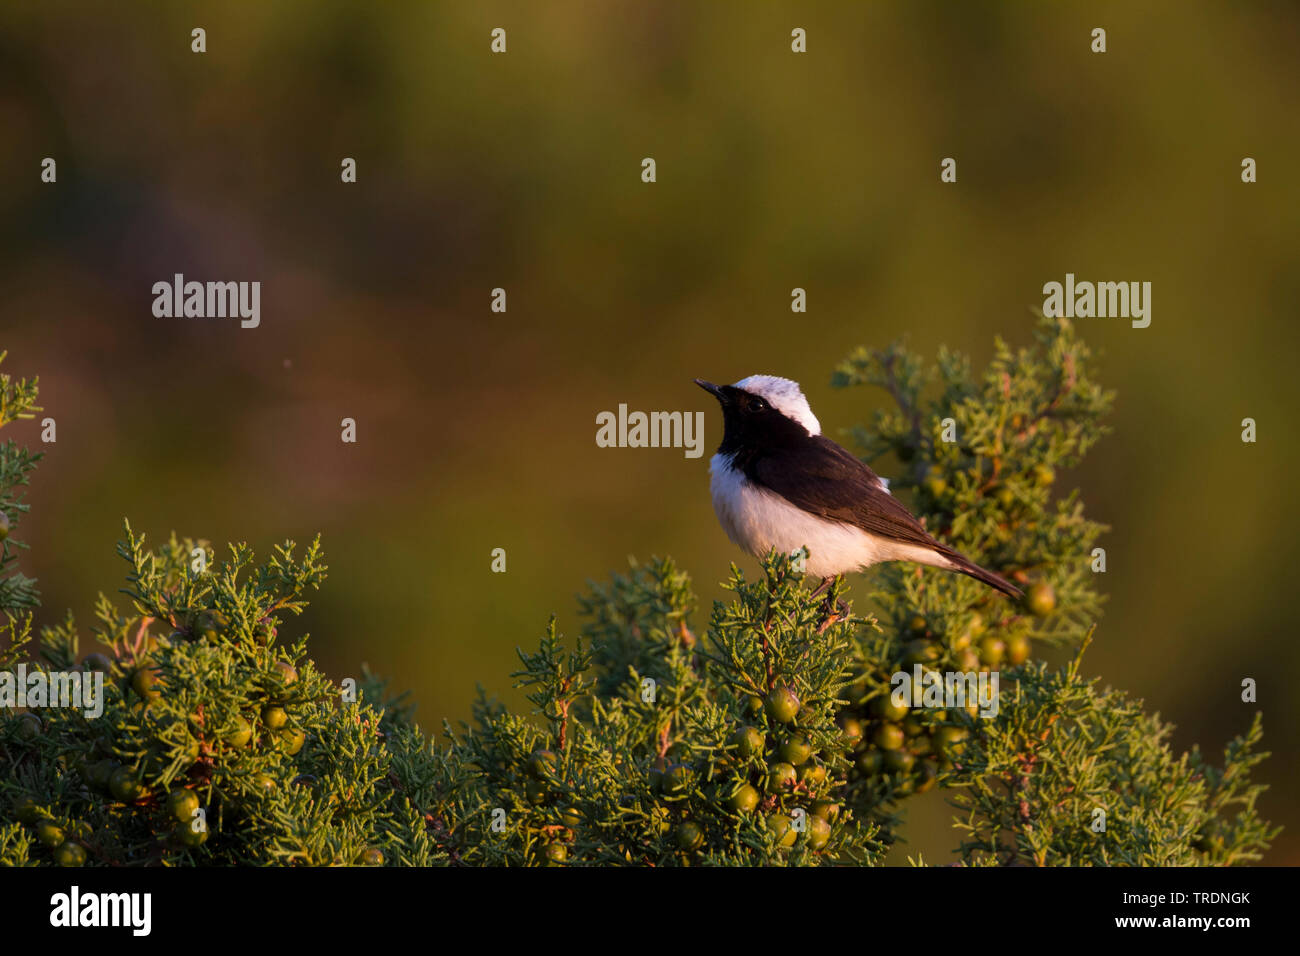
824	479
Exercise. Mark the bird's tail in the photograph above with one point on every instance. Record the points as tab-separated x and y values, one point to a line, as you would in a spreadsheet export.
963	565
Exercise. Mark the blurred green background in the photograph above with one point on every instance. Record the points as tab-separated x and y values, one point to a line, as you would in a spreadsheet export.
522	170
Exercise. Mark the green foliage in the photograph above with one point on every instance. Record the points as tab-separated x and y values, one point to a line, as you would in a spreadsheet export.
202	695
770	739
989	492
17	401
1063	751
652	771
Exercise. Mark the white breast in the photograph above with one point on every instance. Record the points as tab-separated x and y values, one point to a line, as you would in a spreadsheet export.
758	520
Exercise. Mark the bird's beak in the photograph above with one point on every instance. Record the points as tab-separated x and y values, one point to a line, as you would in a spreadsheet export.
714	390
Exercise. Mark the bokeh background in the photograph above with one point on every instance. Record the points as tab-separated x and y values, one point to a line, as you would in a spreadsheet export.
522	171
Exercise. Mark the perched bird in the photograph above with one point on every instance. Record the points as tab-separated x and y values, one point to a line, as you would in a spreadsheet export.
778	482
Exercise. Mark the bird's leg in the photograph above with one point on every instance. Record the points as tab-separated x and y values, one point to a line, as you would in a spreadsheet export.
833	610
826	582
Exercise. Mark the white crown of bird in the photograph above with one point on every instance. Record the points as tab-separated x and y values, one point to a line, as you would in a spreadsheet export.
785	396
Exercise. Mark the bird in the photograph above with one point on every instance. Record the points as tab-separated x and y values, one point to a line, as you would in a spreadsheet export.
778	483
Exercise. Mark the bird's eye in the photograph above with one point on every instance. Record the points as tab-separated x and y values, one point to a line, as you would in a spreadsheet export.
757	405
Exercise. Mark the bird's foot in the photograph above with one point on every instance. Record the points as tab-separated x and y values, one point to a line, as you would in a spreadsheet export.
833	615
